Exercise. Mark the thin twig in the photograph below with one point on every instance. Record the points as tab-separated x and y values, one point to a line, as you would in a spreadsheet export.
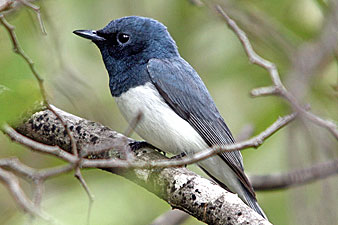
51	150
294	178
31	174
116	137
190	159
118	163
38	192
37	177
91	197
278	87
12	184
17	49
38	14
77	163
6	5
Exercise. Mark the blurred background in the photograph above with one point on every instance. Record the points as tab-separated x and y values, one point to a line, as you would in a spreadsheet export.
289	33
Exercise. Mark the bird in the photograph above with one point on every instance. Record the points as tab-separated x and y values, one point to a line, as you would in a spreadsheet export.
147	75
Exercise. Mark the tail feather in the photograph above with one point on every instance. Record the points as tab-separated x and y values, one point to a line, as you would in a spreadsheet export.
252	202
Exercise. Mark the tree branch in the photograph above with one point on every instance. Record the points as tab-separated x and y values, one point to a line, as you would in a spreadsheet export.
311	57
41	129
18	50
13	186
294	178
278	88
47	133
68	137
181	188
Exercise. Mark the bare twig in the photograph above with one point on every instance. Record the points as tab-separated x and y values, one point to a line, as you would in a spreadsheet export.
264	91
77	162
6	5
118	163
24	171
51	150
12	184
278	87
91	197
228	204
115	138
105	135
79	176
38	14
312	57
37	177
296	177
17	49
38	192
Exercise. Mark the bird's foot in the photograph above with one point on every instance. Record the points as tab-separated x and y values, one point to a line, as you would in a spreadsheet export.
136	145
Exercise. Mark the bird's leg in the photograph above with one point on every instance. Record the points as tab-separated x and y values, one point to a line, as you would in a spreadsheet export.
136	145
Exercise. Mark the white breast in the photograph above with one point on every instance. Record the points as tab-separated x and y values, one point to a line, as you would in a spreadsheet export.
163	128
160	125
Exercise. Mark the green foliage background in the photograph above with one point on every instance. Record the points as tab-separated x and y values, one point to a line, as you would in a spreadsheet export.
76	81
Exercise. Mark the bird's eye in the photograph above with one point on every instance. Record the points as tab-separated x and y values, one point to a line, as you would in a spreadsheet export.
123	38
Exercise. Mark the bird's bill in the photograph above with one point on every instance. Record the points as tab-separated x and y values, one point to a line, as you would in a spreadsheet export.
89	34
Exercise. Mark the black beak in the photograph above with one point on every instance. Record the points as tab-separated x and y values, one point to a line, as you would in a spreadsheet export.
89	34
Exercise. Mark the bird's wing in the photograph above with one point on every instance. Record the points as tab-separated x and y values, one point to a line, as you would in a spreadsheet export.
184	91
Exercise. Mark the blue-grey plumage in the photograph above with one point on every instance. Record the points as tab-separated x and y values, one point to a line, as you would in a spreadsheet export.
148	75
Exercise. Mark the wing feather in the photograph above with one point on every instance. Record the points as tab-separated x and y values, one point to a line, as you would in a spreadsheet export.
184	91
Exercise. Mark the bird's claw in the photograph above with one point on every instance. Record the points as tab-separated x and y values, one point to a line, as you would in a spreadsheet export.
136	145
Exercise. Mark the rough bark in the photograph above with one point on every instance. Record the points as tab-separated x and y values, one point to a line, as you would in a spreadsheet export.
181	188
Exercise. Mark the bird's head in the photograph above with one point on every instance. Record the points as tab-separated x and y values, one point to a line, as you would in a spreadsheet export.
132	38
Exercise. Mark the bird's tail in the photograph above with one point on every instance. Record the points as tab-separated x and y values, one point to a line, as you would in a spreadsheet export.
252	202
242	192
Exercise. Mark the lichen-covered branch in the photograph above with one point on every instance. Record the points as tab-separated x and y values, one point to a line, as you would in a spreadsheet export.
178	186
42	128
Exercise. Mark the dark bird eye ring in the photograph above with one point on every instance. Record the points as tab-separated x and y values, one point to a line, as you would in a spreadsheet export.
123	38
